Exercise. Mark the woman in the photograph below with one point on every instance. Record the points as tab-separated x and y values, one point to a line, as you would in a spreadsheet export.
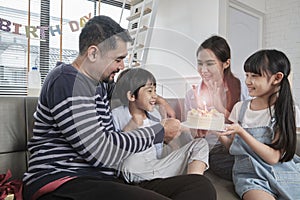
218	89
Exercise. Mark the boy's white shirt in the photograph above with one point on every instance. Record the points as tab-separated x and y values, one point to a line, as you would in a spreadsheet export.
121	117
121	122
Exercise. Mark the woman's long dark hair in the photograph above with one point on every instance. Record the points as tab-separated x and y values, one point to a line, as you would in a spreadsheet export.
270	62
221	49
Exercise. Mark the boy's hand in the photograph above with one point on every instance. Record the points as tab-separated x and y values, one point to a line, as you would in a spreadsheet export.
172	128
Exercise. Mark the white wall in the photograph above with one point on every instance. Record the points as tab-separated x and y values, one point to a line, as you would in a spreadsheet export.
259	5
282	31
182	25
252	5
244	34
179	28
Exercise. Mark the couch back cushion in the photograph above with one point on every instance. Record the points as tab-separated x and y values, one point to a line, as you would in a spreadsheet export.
178	106
16	114
16	123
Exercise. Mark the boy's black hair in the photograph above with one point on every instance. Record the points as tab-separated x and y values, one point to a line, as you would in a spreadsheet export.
132	79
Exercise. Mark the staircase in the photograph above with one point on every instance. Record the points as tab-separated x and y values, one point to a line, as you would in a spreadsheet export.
140	27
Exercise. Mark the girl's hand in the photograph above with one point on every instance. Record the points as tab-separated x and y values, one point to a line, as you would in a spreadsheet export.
232	129
267	153
226	137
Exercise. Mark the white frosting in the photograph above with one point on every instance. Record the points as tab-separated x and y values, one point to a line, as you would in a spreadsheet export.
200	119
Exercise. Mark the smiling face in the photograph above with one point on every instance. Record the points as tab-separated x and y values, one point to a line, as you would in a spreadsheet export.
146	98
113	61
261	85
105	64
210	67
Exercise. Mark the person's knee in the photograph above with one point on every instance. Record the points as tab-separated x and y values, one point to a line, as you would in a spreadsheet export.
199	185
205	185
200	180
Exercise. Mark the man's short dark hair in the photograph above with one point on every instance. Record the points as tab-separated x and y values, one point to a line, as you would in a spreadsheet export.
101	30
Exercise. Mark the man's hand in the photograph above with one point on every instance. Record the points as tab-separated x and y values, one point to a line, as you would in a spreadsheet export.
172	128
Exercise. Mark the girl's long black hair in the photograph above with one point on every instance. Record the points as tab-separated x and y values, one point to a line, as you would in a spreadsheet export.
271	61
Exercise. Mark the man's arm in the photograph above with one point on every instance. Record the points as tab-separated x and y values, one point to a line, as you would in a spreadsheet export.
83	118
128	123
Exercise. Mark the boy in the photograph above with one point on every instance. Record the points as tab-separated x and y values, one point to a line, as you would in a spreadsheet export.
136	89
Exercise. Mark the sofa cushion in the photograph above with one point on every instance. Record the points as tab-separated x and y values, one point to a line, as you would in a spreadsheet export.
15	161
30	108
15	128
224	188
12	124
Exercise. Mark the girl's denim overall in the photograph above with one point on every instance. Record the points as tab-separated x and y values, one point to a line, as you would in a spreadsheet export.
250	172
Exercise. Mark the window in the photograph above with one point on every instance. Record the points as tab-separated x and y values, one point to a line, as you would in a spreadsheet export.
23	44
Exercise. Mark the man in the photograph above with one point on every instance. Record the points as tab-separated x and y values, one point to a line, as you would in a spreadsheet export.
75	150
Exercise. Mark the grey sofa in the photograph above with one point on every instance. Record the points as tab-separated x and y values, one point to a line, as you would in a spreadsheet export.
16	122
16	114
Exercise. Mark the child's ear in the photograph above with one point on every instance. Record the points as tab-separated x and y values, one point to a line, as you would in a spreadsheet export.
278	77
130	96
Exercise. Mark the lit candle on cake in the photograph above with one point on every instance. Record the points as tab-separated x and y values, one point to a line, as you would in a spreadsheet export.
205	106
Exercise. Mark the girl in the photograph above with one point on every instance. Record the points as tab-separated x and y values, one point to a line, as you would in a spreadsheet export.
263	136
136	88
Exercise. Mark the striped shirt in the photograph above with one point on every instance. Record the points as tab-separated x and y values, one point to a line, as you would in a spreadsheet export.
73	133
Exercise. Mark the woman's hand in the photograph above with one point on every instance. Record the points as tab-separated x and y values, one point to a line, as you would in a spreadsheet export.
217	93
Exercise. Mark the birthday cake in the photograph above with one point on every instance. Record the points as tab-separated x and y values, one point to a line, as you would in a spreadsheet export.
204	119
